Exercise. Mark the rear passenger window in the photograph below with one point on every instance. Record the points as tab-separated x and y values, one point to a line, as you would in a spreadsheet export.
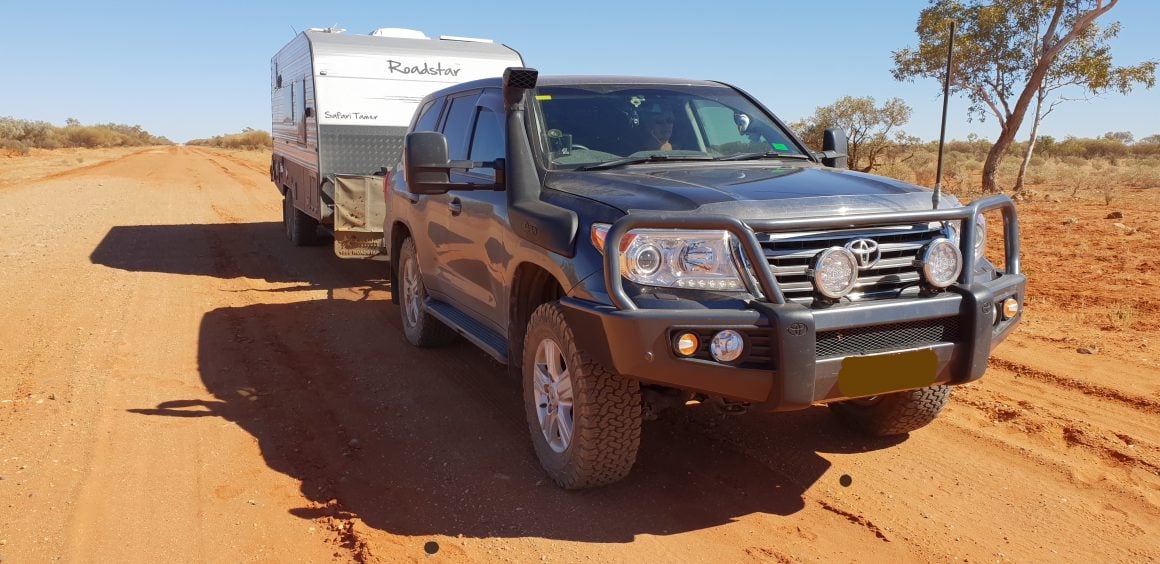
429	117
458	126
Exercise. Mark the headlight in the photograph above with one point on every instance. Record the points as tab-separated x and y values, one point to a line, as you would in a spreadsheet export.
941	263
980	234
697	259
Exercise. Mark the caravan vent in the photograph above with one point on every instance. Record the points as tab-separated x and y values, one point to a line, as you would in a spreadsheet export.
399	32
469	39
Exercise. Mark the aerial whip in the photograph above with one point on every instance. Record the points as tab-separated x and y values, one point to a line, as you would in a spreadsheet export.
943	132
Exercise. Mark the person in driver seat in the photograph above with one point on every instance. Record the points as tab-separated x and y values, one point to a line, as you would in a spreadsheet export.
657	125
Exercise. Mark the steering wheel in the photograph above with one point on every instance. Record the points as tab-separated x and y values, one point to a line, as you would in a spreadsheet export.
579	146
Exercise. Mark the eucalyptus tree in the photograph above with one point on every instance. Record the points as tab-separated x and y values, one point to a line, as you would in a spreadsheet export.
868	127
1011	54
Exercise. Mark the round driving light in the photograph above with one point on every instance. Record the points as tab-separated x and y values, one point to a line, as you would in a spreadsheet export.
835	272
727	346
1010	308
687	344
646	261
941	263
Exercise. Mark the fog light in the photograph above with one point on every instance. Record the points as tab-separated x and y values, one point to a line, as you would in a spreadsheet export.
1010	308
834	273
687	344
727	346
941	263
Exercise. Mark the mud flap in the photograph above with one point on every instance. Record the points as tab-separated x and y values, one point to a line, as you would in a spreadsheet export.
359	212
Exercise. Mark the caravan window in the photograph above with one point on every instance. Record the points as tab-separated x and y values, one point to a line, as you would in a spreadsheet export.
287	105
300	108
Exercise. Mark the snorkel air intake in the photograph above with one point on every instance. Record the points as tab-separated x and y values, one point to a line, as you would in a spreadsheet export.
536	221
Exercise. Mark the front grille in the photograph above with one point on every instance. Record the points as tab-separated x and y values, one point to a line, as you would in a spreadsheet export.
884	338
791	254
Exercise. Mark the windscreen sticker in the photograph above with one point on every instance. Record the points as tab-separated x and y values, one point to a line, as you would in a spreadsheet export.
543	97
779	146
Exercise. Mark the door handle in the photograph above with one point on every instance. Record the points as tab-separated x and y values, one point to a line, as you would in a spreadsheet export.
456	206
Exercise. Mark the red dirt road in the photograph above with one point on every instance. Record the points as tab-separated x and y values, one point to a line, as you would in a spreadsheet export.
177	383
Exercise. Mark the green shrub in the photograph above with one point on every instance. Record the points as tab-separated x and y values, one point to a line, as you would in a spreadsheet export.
43	135
13	146
249	139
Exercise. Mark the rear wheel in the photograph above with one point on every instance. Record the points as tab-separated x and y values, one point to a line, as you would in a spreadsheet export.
584	419
893	414
301	229
421	329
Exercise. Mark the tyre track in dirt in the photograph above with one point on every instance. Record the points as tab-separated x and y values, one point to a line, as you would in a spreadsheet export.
1146	405
1115	448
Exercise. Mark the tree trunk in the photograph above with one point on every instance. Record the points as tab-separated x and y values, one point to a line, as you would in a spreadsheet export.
994	158
1030	142
1026	159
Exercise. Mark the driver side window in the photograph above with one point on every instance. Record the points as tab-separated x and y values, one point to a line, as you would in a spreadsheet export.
487	143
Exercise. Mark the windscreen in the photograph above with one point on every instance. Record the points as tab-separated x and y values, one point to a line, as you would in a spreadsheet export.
591	124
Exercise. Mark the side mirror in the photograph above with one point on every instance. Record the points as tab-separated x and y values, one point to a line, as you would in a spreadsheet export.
425	163
834	149
428	172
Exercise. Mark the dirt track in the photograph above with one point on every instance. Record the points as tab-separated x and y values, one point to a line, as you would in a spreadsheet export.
179	384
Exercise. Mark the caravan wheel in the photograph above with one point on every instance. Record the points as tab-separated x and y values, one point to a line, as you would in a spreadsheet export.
301	229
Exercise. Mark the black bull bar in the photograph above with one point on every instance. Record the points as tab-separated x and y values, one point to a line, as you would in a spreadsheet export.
745	234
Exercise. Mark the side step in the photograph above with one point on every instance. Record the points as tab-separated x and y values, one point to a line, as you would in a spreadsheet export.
491	342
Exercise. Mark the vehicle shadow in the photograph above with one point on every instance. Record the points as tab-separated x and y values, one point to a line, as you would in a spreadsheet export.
228	250
434	441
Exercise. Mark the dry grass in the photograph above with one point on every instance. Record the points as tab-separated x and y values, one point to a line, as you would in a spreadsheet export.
38	163
1122	316
1070	176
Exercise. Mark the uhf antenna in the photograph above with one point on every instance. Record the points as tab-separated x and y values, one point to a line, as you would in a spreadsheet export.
943	132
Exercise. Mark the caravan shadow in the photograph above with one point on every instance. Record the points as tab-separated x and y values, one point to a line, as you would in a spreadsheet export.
229	250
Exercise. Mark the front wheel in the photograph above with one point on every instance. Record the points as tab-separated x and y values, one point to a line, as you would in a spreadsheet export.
893	414
584	419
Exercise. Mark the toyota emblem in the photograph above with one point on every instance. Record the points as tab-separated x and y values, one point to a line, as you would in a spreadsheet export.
866	251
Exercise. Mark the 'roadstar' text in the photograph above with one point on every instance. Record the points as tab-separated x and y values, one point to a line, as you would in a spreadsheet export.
437	70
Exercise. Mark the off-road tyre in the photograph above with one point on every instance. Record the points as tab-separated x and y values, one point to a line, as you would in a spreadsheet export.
420	327
301	229
893	414
606	410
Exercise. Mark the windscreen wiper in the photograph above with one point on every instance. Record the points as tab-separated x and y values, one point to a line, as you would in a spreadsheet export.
762	155
643	159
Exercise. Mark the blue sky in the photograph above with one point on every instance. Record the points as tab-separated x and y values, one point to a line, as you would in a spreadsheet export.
196	69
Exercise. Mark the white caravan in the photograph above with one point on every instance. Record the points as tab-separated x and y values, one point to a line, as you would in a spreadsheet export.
341	107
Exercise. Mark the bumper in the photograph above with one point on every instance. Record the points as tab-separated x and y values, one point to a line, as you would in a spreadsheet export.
803	360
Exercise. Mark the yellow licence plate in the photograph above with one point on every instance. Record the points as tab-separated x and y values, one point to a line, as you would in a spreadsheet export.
880	373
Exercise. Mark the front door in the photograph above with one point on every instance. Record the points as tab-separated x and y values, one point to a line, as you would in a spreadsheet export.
475	254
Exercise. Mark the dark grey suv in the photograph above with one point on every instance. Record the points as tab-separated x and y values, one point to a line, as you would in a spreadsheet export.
626	245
